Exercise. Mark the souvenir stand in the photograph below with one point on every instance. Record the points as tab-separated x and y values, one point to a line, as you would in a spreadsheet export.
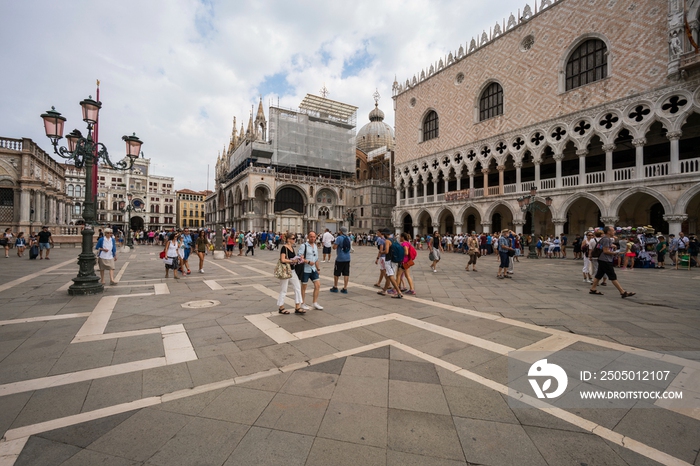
646	257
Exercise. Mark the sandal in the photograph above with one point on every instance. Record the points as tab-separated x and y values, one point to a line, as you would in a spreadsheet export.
299	311
627	294
382	293
604	284
595	292
377	286
398	296
283	311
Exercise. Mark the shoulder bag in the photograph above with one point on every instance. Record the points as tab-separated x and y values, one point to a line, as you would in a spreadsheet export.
282	271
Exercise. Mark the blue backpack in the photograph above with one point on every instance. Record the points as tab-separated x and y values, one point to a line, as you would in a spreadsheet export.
397	252
346	244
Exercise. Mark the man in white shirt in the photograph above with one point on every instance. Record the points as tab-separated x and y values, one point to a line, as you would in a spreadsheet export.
327	240
309	251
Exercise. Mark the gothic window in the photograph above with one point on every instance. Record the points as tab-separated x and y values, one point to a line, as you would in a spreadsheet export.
70	190
588	63
78	191
430	126
491	102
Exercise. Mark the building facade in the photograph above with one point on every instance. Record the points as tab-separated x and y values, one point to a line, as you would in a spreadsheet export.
600	113
31	188
190	208
75	192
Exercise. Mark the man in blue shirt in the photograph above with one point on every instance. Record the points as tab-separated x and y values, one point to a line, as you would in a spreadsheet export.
342	245
187	242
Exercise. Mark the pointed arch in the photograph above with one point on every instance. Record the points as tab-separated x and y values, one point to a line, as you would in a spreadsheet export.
566	205
492	208
619	200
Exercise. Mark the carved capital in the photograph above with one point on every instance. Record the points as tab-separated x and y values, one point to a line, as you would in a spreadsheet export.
676	218
501	168
458	224
674	135
518	165
486	223
436	225
582	152
610	221
485	171
639	142
558	157
518	222
558	221
537	161
609	147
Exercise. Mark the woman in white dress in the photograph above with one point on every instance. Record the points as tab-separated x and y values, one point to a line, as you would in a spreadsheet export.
171	255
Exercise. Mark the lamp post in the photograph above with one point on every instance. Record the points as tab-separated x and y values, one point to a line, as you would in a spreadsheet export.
128	209
85	152
350	217
529	204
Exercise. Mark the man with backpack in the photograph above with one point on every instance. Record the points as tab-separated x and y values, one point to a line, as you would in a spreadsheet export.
393	256
605	252
342	245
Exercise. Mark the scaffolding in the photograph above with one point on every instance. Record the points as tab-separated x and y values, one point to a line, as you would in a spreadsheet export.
319	137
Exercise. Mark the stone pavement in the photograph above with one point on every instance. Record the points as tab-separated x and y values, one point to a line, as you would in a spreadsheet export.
203	370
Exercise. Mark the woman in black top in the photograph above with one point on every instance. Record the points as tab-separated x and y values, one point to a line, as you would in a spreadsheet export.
435	247
287	253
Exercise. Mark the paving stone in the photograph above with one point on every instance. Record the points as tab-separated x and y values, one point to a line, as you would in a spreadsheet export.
366	367
399	458
83	434
10	407
565	447
191	405
52	403
312	384
238	404
91	458
138	348
325	452
313	348
249	362
114	390
202	441
208	370
362	390
271	383
266	447
166	379
293	413
414	396
381	353
334	366
411	371
39	451
423	434
483	443
142	435
401	355
355	423
482	404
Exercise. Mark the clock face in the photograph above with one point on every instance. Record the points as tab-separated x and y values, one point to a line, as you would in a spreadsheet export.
138	203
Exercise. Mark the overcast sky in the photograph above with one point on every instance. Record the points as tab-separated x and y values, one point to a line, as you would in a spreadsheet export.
176	72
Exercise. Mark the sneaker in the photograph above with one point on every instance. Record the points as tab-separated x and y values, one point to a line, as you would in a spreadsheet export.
318	306
585	280
434	270
344	291
201	270
391	292
306	307
334	290
588	281
411	292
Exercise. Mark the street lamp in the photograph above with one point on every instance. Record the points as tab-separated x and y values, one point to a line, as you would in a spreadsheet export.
350	217
85	152
529	204
129	208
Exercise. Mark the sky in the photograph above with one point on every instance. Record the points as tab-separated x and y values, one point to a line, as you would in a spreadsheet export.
176	72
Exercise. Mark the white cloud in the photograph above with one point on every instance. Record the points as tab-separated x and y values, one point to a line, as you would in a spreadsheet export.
177	71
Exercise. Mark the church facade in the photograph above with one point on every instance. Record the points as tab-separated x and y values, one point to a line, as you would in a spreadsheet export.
599	113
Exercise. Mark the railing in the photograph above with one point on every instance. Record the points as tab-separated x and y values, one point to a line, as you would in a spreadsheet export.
549	183
440	197
402	201
595	178
429	198
569	181
690	165
494	190
69	231
411	201
527	186
509	188
657	169
623	174
11	144
479	192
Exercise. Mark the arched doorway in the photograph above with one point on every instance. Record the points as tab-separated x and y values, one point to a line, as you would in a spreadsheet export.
501	218
656	218
471	219
425	224
408	224
447	222
289	198
641	209
136	223
496	222
582	215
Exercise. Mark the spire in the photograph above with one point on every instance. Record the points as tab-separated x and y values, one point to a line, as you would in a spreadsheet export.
261	113
250	132
234	137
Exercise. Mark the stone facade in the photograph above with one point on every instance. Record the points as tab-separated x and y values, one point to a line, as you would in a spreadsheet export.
621	150
31	188
190	208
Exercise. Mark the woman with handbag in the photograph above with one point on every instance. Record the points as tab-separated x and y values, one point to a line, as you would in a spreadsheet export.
202	245
171	255
473	251
285	272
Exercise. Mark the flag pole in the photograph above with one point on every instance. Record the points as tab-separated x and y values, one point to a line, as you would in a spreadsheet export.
96	139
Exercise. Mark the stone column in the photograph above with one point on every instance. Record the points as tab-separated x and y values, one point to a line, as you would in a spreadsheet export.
486	227
436	226
609	221
415	190
518	224
675	223
518	176
405	192
609	148
435	187
415	231
501	169
485	171
674	137
459	182
537	173
458	228
471	184
557	159
25	205
558	226
447	185
37	208
582	153
639	160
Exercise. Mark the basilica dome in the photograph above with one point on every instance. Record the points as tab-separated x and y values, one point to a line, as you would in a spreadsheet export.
376	133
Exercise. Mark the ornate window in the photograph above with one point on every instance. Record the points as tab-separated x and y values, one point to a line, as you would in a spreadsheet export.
70	190
324	197
491	102
588	63
431	126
